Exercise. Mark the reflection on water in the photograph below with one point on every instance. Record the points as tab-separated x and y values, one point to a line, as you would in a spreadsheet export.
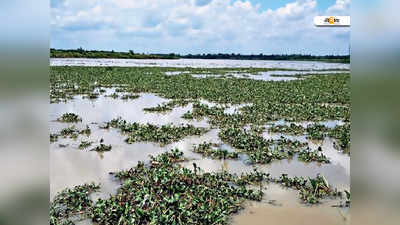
198	63
70	166
281	206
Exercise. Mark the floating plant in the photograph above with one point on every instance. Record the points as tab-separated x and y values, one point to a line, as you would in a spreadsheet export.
71	132
309	155
85	144
74	202
165	193
206	150
69	118
259	149
129	96
311	190
168	106
54	137
291	129
164	134
102	148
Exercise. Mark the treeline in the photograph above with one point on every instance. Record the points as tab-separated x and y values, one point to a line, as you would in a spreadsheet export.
333	58
81	53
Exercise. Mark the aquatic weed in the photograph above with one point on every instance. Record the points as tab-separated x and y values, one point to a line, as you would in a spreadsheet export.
72	202
164	134
206	150
69	118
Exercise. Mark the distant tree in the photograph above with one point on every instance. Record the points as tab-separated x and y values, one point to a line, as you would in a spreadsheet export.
81	50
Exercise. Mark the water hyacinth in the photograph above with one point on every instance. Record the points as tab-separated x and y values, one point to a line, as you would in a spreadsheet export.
69	118
342	135
53	137
168	106
102	148
258	148
309	155
291	129
315	98
165	193
70	132
311	190
85	144
164	134
71	203
162	191
129	96
206	150
316	131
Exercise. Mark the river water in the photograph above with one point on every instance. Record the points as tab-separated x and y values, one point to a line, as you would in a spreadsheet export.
199	63
70	166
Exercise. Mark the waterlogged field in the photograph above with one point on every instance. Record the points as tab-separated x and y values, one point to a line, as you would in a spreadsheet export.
185	145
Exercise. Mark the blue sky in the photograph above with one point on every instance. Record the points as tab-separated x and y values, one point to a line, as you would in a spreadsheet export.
199	26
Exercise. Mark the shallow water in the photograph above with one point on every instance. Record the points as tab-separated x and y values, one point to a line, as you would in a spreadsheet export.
281	206
269	75
70	166
197	63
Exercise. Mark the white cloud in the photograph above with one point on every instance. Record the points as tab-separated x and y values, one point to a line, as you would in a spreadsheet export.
341	8
192	26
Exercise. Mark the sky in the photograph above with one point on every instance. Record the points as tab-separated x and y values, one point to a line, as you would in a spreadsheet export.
199	26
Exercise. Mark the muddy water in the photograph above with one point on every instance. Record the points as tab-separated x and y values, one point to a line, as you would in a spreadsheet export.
70	166
282	207
269	75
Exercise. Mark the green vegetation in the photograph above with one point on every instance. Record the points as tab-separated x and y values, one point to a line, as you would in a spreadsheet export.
168	106
71	203
81	53
164	192
309	155
102	148
165	134
129	96
54	138
297	100
85	144
311	190
69	118
342	135
70	132
318	132
259	149
206	150
291	129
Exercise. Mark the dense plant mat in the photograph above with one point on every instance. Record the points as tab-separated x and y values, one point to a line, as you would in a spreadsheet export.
72	203
164	134
259	149
318	132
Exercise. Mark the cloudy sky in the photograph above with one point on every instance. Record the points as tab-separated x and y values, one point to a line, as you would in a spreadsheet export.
199	26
